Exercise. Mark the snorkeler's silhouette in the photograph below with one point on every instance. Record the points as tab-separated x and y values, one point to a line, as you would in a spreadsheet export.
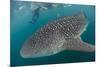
35	14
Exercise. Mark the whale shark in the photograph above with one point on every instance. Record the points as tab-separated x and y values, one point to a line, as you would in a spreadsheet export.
56	36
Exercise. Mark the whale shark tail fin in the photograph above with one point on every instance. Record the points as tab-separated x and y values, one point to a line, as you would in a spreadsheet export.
77	44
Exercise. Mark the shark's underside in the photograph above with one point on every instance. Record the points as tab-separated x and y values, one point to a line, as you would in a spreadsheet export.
58	35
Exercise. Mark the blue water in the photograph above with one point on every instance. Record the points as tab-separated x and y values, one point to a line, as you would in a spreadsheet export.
21	29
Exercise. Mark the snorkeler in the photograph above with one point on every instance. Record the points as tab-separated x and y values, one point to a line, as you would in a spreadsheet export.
35	14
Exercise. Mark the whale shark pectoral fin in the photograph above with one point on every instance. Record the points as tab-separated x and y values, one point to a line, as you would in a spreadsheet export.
78	45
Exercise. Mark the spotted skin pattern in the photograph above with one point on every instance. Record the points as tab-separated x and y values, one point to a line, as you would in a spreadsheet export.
56	36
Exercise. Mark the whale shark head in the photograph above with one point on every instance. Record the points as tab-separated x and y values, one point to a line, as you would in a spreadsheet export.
33	48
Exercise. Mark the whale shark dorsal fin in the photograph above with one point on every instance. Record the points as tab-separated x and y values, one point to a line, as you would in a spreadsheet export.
78	45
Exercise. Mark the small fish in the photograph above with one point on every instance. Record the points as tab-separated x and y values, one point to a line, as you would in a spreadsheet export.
56	36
